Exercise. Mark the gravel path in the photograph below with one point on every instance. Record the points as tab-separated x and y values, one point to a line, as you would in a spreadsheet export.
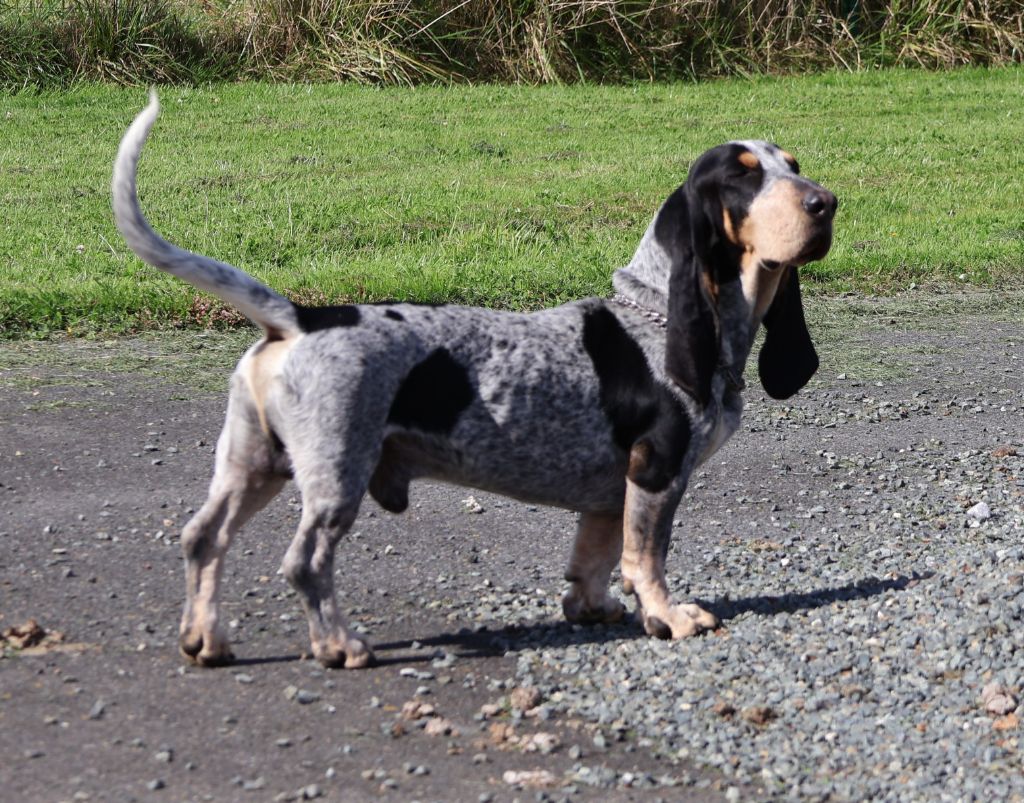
862	545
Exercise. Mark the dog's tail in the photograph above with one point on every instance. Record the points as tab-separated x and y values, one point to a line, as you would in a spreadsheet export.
275	313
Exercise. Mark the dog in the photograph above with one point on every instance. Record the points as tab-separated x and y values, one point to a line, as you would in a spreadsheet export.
600	406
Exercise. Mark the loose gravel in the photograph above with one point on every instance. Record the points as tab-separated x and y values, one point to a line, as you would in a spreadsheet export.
864	612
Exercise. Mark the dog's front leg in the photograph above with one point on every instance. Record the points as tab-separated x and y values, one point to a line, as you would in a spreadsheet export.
309	567
595	552
647	527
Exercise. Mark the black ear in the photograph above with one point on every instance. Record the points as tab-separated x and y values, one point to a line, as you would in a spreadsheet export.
691	342
787	359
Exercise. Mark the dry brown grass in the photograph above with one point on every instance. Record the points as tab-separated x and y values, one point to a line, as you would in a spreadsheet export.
528	41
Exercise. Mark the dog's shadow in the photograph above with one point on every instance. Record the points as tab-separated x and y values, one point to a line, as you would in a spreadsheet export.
488	642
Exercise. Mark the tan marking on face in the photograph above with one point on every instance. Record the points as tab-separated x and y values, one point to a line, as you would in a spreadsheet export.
788	157
729	228
747	159
263	366
777	228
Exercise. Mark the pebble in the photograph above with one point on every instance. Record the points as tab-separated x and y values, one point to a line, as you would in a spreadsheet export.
979	512
165	755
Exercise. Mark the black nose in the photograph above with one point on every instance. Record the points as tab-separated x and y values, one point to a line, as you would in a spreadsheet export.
820	203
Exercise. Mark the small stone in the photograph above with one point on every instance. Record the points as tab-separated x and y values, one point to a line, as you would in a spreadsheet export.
291	692
312	791
165	756
241	677
997	699
501	732
525	698
438	726
414	709
254	784
759	714
155	784
470	505
305	697
980	512
97	710
544	743
534	779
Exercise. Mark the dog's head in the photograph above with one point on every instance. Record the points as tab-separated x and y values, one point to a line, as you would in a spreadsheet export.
745	214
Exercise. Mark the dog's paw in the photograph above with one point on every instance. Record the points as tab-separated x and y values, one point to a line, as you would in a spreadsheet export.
207	652
350	653
679	621
578	611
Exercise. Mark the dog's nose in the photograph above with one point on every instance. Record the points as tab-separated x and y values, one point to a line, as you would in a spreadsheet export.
820	203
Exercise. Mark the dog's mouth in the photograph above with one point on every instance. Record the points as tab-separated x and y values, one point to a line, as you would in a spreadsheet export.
817	247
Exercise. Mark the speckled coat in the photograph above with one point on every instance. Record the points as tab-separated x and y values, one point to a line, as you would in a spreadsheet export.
602	406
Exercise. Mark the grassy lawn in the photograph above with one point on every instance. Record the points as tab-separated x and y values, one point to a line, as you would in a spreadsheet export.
509	196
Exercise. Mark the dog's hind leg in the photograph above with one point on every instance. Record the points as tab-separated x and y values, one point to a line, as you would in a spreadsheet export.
330	503
244	480
595	553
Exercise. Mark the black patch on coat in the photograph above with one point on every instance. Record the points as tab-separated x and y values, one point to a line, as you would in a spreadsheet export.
394	315
639	409
433	395
313	319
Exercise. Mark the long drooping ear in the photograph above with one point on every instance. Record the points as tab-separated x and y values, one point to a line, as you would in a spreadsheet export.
692	339
787	359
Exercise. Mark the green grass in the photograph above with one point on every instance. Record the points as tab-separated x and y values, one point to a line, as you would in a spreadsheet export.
507	196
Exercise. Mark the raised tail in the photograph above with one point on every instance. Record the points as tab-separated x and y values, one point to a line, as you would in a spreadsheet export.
275	313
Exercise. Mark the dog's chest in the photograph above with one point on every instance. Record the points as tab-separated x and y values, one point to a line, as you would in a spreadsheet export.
722	425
